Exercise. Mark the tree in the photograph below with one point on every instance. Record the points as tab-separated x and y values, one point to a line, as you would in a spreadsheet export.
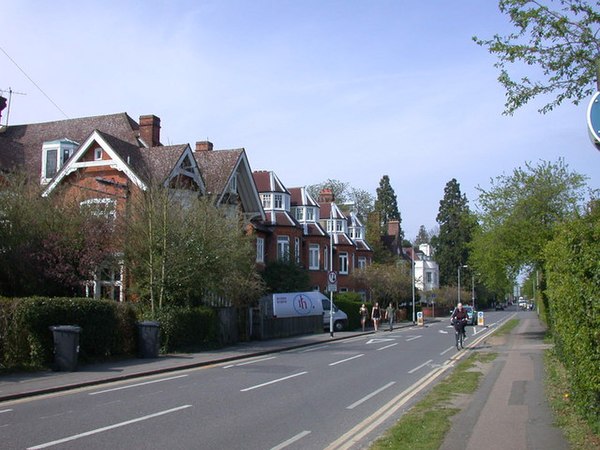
182	250
345	196
388	283
457	224
518	217
387	205
563	42
422	237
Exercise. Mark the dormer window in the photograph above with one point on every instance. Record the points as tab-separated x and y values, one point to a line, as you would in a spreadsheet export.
278	201
55	154
266	200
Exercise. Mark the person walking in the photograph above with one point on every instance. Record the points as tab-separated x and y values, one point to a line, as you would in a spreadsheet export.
389	315
364	313
376	315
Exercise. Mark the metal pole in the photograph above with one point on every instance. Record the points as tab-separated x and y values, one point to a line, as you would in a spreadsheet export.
331	270
458	286
473	290
412	262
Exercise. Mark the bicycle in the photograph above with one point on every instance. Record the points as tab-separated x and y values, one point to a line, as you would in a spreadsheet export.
459	332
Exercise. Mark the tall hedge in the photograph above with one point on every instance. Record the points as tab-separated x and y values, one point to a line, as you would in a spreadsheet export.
107	329
573	289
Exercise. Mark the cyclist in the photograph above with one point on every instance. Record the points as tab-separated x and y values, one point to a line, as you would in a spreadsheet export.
459	319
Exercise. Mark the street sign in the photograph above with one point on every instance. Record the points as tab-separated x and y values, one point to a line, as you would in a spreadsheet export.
420	319
480	319
593	120
332	281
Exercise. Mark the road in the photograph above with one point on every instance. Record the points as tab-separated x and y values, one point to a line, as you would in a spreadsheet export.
342	394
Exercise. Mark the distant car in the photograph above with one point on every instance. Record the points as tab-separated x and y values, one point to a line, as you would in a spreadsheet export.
499	307
471	316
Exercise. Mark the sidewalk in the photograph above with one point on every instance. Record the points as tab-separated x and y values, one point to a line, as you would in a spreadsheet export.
25	384
509	410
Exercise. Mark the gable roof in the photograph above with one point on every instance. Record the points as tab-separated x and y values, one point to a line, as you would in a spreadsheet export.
219	167
267	181
21	145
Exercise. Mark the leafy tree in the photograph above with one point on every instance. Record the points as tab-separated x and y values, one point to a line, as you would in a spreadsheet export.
49	246
387	205
285	276
346	196
388	282
456	228
181	251
562	41
518	217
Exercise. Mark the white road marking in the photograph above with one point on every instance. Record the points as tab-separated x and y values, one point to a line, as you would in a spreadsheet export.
387	346
346	360
136	385
312	349
372	394
110	427
419	367
248	362
291	440
272	382
378	340
447	350
443	331
5	410
413	338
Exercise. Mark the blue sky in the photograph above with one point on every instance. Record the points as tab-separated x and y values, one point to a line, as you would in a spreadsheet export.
347	90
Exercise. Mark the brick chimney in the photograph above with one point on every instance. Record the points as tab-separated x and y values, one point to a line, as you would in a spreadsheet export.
326	196
150	130
204	146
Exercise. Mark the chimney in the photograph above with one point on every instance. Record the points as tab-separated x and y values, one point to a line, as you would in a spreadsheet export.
150	130
326	196
204	146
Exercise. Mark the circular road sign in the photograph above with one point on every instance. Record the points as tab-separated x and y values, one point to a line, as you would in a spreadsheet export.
332	277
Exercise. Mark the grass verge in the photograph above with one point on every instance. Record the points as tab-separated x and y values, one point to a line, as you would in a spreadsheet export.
576	430
507	327
425	425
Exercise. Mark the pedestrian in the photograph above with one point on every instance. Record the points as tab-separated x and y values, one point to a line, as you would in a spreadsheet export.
389	315
364	313
376	316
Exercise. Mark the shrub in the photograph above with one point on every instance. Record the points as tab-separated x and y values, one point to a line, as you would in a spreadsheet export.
185	328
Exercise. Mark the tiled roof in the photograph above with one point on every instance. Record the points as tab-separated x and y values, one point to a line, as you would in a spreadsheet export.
21	145
217	166
280	218
314	229
267	181
158	162
301	197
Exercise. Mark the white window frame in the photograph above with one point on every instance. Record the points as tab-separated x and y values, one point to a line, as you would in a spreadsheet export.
310	214
313	256
98	153
297	250
283	248
260	250
300	214
266	200
278	201
343	260
362	262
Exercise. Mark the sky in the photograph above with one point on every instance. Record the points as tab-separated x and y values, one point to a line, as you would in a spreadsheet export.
312	89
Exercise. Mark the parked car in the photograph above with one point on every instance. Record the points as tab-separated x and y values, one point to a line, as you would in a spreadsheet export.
499	307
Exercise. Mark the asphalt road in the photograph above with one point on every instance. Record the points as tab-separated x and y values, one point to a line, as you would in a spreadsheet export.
342	394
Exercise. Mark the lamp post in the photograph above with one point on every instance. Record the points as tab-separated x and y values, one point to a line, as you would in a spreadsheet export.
459	282
473	290
412	270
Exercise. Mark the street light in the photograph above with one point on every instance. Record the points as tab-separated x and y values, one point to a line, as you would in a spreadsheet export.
465	266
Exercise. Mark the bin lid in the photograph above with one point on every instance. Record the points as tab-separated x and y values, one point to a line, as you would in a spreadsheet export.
148	323
66	328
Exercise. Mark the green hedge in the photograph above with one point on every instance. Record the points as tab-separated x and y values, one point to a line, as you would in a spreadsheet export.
108	329
573	290
350	302
184	329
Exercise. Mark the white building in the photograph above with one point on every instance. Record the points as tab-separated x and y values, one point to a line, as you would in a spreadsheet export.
427	271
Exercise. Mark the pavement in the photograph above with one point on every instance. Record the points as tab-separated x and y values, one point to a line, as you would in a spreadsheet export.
508	410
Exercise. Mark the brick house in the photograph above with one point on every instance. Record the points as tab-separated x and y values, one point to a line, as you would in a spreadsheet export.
102	162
